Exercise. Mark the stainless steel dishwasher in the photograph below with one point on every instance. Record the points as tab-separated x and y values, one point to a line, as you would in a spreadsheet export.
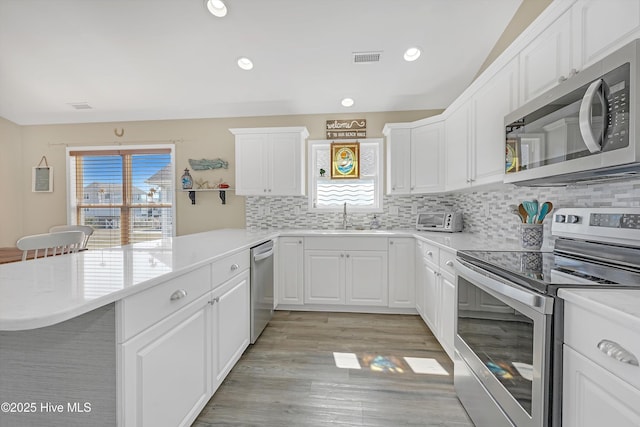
261	288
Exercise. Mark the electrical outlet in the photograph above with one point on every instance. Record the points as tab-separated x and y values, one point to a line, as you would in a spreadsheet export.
260	211
267	210
487	210
393	210
296	210
414	208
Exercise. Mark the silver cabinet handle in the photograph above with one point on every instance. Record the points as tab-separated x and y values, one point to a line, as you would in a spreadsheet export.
264	191
429	253
449	263
234	267
617	352
215	300
341	255
300	241
179	294
391	242
347	255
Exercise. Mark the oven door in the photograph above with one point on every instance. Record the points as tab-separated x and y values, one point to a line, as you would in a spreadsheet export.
503	341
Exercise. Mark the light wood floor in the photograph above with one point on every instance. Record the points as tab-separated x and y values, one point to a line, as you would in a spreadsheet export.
289	377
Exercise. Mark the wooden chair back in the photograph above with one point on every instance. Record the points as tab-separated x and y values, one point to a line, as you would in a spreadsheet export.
86	229
61	243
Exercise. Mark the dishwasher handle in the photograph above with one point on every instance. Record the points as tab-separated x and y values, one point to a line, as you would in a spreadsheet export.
264	255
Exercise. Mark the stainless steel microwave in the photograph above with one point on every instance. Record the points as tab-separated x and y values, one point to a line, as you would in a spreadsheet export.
586	128
439	221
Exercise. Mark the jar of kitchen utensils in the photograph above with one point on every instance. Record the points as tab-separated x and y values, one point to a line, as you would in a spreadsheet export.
531	236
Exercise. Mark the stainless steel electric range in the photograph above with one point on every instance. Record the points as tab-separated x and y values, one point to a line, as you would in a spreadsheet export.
509	332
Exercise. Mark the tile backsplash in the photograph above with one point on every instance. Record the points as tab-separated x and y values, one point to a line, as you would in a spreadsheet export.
486	211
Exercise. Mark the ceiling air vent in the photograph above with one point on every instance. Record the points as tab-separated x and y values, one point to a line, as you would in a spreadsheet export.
81	105
366	57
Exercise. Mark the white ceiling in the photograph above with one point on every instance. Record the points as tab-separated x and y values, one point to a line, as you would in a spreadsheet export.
171	59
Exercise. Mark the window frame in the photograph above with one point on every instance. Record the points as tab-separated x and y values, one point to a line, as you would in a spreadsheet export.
72	206
378	180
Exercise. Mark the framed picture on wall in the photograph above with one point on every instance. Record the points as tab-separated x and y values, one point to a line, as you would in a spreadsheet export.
345	160
42	177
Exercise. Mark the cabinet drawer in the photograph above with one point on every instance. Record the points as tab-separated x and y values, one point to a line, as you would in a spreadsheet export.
228	267
584	330
446	262
429	252
144	309
346	243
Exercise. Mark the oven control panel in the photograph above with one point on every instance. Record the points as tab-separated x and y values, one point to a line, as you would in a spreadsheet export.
612	225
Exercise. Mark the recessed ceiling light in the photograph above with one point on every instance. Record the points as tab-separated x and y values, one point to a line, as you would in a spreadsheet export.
347	102
412	54
217	8
245	63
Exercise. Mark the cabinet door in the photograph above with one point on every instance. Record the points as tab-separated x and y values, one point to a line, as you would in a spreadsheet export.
447	313
286	165
366	280
420	278
431	297
427	154
166	373
251	164
593	397
290	270
399	161
457	148
602	27
546	59
402	273
324	277
492	102
231	327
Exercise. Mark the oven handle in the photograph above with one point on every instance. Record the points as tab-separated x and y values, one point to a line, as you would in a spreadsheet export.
503	287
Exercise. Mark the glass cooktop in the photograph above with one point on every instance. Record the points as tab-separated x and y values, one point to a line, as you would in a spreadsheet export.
547	271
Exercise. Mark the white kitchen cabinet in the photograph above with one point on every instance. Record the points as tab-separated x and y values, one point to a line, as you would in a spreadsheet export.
497	98
414	158
447	330
324	277
346	270
290	278
366	281
601	27
270	161
402	273
166	370
419	279
230	325
458	148
594	397
547	59
431	297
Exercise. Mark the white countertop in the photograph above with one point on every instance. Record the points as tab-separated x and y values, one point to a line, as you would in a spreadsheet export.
619	305
44	292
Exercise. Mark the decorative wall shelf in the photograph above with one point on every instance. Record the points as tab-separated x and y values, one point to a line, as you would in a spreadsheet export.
222	193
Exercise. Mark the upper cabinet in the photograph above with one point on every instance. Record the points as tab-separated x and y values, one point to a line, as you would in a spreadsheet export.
415	158
270	161
601	27
547	60
474	133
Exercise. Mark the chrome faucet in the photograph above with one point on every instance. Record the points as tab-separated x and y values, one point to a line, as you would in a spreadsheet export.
344	216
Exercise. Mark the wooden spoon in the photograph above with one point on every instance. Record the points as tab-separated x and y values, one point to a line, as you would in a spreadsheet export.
523	213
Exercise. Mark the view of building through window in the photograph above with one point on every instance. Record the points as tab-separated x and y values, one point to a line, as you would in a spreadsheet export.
126	195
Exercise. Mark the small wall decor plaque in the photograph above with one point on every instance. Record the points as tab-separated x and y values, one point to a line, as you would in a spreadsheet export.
207	164
42	177
346	129
345	160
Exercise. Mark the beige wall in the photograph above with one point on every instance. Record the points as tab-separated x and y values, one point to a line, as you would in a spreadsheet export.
201	138
11	183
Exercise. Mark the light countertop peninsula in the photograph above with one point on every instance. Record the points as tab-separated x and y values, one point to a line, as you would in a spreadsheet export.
44	292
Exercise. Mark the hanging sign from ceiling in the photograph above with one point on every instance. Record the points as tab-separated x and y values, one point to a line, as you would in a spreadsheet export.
346	129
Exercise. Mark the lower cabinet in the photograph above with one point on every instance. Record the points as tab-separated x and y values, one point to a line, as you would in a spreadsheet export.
402	273
166	375
594	397
447	331
230	325
290	276
346	277
170	369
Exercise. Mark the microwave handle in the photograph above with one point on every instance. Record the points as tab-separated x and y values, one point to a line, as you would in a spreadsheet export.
594	144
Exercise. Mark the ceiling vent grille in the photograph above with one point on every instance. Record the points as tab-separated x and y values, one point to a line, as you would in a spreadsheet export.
81	105
366	57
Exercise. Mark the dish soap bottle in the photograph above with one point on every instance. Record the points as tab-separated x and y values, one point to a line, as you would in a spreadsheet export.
375	223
